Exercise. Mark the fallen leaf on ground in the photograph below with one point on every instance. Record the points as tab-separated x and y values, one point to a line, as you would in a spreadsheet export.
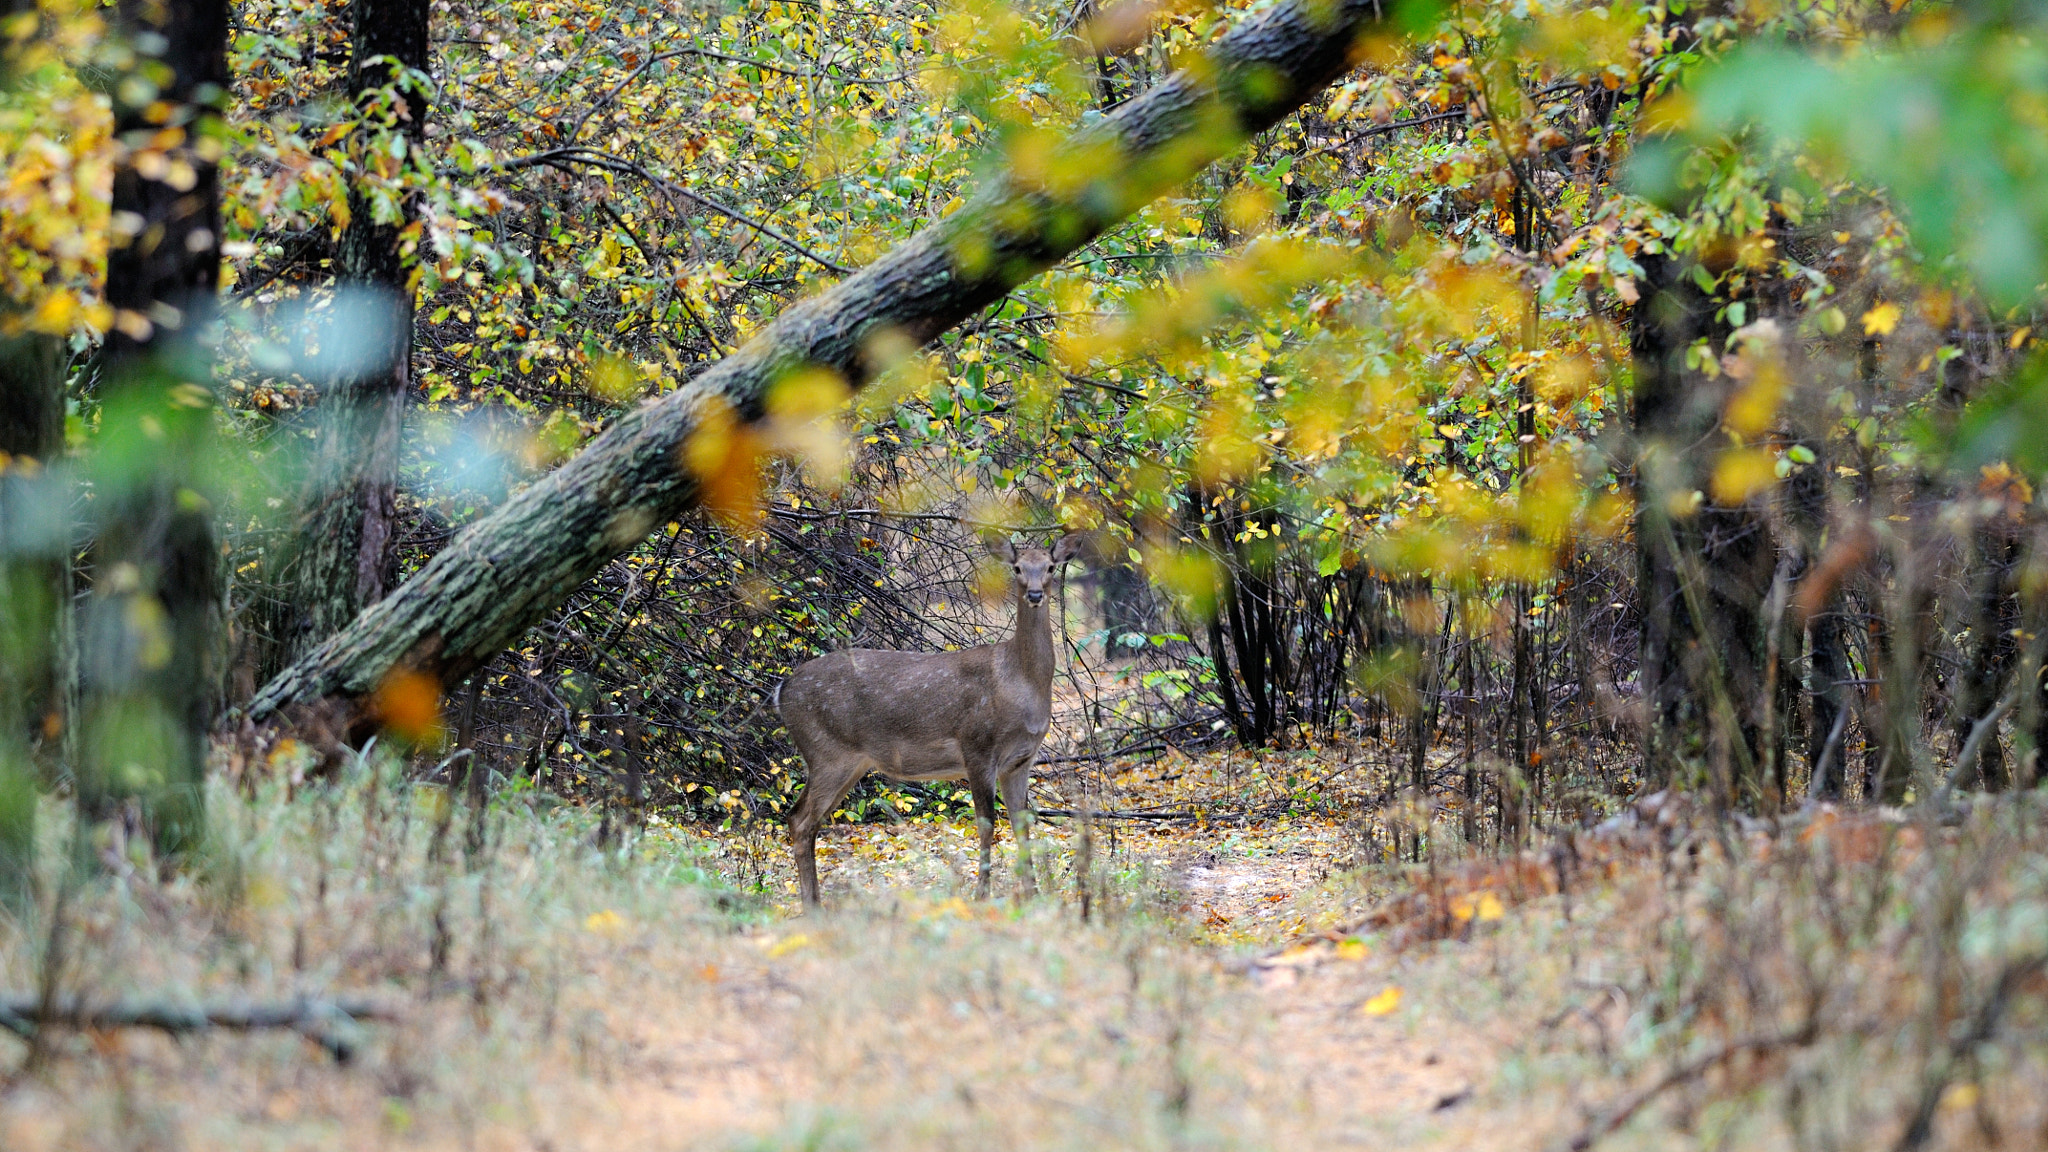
1385	1002
788	944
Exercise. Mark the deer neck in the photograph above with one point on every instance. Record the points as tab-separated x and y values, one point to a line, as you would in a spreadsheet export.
1031	646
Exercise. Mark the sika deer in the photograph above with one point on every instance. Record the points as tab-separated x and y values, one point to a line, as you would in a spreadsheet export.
978	714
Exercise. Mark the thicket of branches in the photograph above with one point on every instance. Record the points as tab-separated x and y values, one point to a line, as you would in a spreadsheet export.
1540	402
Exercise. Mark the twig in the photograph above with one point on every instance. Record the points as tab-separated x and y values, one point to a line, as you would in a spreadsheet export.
328	1023
1986	728
1982	1027
899	78
1816	782
1096	757
1068	813
709	54
1691	1070
1436	117
763	229
1974	746
566	157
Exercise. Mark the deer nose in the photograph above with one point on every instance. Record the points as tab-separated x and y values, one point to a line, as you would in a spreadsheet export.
1035	596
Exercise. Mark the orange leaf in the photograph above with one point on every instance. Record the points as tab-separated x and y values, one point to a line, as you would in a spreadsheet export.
724	454
408	703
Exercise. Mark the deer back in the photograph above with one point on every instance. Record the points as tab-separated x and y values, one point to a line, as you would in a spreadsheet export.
917	715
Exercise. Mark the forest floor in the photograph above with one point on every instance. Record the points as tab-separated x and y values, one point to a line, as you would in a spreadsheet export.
1264	984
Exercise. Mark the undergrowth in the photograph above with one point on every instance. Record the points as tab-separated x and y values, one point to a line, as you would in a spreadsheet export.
547	979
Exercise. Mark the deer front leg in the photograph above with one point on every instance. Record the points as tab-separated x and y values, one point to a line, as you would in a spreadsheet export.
1017	798
985	821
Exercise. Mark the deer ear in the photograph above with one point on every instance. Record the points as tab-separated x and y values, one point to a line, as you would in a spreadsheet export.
1066	548
1002	549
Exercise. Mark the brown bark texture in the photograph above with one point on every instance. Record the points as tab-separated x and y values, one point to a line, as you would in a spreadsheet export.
507	571
343	558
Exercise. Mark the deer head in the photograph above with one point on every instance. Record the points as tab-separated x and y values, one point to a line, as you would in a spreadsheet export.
1032	567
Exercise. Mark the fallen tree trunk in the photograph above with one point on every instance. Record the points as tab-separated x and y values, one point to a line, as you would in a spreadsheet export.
504	573
328	1023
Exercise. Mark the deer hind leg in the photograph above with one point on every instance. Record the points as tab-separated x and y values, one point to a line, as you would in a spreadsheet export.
833	775
1017	798
984	792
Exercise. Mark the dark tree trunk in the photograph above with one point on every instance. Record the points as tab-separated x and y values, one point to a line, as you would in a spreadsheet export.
343	559
150	638
1255	620
1819	606
1704	568
37	669
1527	787
1125	608
508	570
35	595
1987	662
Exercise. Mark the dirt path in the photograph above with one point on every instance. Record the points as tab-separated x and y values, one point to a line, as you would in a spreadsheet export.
780	1027
1368	1073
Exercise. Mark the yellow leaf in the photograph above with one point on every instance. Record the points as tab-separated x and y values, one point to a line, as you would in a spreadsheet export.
803	421
1742	473
724	453
613	380
605	923
788	944
1880	321
56	314
1383	1003
1484	906
1352	950
1450	431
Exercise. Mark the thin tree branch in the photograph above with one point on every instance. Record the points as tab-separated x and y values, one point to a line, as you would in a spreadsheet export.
1625	1111
327	1023
564	158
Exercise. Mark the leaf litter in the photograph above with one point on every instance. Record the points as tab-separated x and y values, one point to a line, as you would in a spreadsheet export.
1239	983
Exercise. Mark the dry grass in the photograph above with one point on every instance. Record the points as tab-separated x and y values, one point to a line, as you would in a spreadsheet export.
661	995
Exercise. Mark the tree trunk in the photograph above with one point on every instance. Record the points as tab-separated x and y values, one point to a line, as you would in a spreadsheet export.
150	637
1704	568
505	572
343	559
35	595
1994	617
1125	608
